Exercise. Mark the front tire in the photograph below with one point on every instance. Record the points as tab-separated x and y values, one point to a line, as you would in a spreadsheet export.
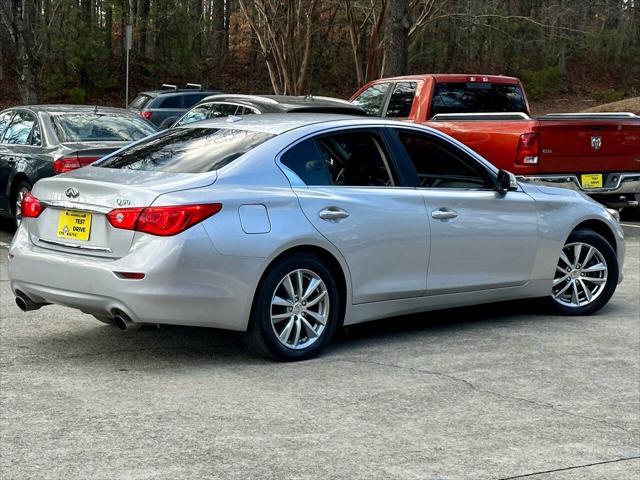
586	275
295	310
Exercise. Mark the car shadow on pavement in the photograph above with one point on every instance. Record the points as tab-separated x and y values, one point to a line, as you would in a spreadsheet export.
171	345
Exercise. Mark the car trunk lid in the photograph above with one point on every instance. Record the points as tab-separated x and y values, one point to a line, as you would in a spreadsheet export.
80	200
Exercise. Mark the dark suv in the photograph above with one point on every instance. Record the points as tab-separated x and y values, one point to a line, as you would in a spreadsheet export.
163	107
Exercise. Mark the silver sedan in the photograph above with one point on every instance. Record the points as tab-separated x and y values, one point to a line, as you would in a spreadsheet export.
287	226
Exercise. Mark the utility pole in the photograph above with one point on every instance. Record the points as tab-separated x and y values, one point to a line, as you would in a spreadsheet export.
128	44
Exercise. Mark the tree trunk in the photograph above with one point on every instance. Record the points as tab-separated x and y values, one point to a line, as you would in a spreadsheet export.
218	13
397	23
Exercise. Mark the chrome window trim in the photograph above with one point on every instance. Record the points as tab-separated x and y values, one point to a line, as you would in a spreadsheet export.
76	246
80	207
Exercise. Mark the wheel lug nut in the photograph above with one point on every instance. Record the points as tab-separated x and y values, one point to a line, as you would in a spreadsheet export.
290	309
582	274
578	266
568	269
304	303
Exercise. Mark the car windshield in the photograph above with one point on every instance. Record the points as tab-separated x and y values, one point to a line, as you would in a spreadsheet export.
100	127
477	97
187	150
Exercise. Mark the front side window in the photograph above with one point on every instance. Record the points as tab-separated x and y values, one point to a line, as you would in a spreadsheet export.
100	127
440	165
219	110
187	150
5	120
201	112
401	100
19	131
372	99
353	159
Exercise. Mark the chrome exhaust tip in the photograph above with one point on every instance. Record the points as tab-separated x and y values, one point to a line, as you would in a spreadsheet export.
124	323
25	304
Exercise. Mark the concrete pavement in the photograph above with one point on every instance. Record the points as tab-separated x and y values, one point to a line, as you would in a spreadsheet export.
493	392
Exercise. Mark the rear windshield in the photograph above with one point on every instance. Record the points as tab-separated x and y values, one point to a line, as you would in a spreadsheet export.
99	127
476	97
187	150
139	102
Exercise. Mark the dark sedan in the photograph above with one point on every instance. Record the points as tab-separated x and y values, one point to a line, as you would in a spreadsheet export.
39	141
224	105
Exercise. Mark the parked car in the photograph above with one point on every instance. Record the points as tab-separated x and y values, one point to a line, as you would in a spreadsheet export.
217	106
163	107
38	141
286	226
598	154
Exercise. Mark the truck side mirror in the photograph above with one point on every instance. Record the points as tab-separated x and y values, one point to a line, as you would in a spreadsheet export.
506	182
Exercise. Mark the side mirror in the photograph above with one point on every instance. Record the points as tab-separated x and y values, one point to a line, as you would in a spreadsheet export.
506	182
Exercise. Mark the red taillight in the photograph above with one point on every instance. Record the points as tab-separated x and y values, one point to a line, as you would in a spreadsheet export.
30	206
162	221
528	149
66	164
146	114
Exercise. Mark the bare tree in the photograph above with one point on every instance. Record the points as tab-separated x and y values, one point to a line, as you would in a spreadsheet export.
364	23
18	18
284	30
397	25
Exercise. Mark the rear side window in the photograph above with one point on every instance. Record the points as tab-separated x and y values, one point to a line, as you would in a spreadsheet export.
174	101
372	99
476	97
224	110
401	100
191	99
139	102
92	127
187	150
352	159
19	131
5	119
440	165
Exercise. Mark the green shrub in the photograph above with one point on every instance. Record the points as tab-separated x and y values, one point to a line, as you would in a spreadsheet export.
77	95
541	83
609	96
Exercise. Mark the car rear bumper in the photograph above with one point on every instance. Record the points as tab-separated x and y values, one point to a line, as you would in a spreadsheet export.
186	281
616	183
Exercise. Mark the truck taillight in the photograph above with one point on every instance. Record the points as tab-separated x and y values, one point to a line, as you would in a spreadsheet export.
67	164
30	206
162	221
528	149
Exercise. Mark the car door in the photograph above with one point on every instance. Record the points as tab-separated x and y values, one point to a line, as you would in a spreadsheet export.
480	238
6	160
349	189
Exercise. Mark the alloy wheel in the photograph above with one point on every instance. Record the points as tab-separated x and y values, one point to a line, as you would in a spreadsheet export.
300	309
581	275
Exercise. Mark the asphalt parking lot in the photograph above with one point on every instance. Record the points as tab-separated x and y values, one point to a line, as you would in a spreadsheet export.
494	392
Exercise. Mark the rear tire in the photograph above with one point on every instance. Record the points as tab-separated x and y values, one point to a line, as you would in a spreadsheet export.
586	276
295	311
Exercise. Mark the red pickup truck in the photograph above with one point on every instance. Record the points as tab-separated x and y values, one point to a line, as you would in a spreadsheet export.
598	154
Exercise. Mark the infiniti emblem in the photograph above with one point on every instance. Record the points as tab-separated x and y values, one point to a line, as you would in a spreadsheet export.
72	192
596	143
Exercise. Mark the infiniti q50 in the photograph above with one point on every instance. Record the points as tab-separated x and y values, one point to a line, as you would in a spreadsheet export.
288	226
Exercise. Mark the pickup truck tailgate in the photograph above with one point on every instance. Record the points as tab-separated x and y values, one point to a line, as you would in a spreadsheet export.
589	145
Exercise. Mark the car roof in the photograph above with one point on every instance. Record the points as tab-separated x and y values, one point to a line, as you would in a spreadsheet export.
183	91
454	78
278	123
60	108
283	102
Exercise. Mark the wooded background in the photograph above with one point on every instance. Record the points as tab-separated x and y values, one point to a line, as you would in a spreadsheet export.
73	50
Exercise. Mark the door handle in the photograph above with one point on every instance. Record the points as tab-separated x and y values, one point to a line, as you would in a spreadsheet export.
333	214
444	214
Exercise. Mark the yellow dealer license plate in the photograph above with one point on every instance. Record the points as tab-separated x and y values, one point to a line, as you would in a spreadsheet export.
74	225
592	180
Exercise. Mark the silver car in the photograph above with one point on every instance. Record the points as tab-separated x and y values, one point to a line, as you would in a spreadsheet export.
287	226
